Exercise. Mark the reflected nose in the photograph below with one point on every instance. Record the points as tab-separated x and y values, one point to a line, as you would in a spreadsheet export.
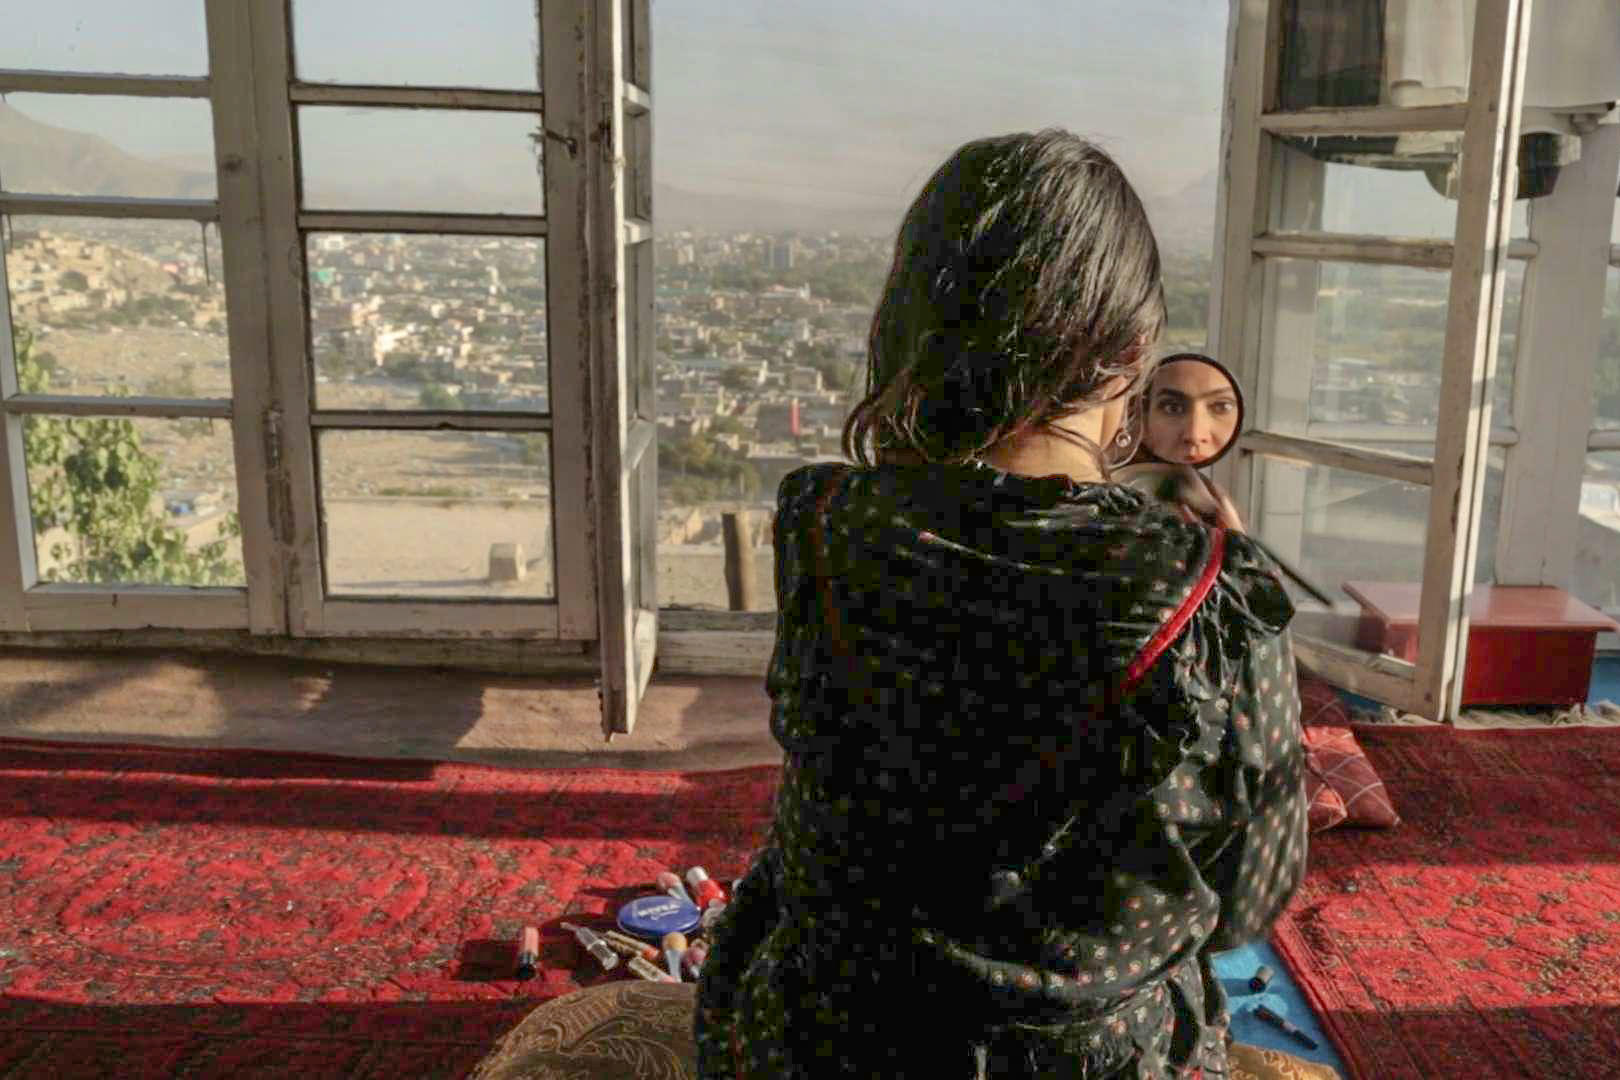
1197	434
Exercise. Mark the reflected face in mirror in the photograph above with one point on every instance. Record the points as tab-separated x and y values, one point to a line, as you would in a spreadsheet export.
1193	412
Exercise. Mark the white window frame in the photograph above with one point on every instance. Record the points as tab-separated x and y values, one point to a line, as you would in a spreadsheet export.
1247	320
595	89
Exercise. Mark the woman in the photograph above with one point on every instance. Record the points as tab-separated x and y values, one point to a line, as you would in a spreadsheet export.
1042	739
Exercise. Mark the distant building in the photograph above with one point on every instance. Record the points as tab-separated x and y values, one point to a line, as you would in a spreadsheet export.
804	378
781	254
779	422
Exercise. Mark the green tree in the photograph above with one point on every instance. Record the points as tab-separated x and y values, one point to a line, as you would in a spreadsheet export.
91	476
435	397
74	281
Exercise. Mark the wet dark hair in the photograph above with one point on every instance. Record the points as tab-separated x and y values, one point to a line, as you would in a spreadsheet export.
1025	277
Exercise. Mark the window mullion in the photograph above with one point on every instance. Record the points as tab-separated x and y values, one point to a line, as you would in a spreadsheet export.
569	331
17	566
234	64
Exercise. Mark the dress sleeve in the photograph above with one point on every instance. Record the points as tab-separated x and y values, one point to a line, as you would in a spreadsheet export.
1253	853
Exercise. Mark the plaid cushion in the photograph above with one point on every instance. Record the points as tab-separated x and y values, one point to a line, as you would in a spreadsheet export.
1319	702
1332	753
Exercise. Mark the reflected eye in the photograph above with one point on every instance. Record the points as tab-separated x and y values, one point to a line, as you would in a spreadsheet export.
1171	406
1224	407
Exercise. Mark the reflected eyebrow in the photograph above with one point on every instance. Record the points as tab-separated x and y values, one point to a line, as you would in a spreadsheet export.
1168	392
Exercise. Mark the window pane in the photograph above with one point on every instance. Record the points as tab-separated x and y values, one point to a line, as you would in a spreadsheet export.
1374	186
1596	579
420	159
130	147
440	514
154	37
1376	337
483	43
119	306
133	500
428	322
1335	525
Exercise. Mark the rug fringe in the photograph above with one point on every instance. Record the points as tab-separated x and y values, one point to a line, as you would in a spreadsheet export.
1598	714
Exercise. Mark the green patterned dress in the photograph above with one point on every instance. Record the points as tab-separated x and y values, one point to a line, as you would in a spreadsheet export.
1042	754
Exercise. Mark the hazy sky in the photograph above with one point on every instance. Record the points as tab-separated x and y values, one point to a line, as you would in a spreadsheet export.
839	102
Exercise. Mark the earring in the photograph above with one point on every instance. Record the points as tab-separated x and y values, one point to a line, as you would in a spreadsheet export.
1123	438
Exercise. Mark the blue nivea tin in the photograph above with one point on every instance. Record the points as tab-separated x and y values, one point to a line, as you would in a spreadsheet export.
651	917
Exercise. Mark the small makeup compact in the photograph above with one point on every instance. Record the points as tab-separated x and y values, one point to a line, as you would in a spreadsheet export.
649	918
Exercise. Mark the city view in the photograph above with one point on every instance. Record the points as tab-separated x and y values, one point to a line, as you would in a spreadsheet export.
773	234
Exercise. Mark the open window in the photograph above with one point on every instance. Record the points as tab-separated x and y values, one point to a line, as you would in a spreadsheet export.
419	406
1399	275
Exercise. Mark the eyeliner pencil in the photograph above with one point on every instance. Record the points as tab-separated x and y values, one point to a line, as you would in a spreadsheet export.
1284	1026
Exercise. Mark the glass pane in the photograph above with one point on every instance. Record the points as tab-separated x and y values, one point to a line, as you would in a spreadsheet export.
154	37
428	322
1606	385
138	501
1376	336
1337	526
84	144
493	44
437	514
119	306
433	160
1596	579
1374	186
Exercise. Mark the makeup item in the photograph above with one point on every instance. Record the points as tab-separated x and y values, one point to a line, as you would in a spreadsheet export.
629	946
734	885
1261	979
528	955
594	945
704	891
674	949
649	918
711	914
695	956
671	884
1284	1026
648	971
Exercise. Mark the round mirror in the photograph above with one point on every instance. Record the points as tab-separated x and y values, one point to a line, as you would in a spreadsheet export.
1191	413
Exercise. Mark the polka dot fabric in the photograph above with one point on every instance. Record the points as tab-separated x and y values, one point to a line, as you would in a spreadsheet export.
986	860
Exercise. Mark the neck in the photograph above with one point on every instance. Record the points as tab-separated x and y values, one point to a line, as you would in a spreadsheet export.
1044	453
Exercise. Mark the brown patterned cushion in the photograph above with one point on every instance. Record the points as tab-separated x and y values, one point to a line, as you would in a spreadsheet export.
632	1030
1257	1063
1332	752
628	1030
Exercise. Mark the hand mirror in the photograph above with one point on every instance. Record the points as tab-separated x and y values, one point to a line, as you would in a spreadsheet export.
1190	414
1189	417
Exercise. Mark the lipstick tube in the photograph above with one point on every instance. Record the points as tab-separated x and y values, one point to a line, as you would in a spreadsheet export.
704	891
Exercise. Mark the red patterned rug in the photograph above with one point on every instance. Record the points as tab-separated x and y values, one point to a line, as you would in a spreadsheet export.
178	912
1481	937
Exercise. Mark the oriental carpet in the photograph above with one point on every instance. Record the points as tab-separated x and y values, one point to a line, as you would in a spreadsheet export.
184	912
1481	937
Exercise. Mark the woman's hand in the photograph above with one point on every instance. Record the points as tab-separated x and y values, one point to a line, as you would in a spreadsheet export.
1201	500
1228	515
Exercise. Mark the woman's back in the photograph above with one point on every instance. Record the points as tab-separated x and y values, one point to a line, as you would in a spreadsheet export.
1042	752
